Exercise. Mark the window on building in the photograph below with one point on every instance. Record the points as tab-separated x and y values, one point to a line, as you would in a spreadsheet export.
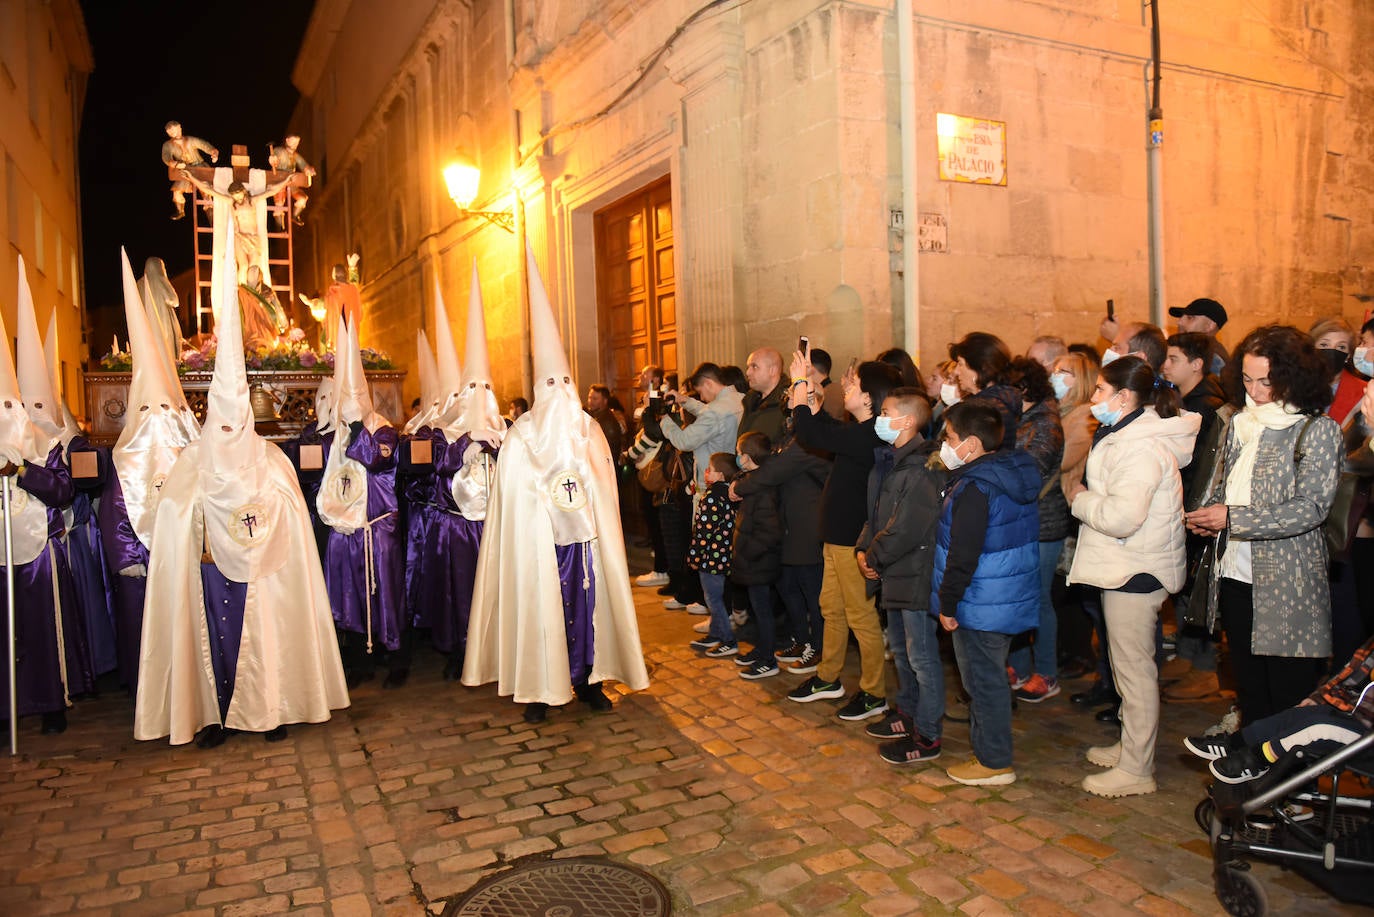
57	263
76	282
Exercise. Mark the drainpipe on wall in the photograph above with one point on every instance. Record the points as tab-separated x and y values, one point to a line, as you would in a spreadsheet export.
911	274
1155	183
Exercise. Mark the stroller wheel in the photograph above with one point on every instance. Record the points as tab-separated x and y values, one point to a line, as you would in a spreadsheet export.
1240	893
1203	814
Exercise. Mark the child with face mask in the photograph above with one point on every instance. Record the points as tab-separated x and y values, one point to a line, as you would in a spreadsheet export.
895	550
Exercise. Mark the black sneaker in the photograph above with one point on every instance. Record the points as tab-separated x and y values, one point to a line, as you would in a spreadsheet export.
749	658
815	689
909	750
704	644
1096	696
862	706
759	670
722	651
1209	747
895	725
791	653
1240	766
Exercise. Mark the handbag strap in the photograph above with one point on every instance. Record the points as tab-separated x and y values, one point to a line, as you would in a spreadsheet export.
1299	453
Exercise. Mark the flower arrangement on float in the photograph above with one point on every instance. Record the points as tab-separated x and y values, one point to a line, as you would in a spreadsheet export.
288	353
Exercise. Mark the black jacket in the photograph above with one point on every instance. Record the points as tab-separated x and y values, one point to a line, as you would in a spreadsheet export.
756	558
899	538
765	414
843	507
798	476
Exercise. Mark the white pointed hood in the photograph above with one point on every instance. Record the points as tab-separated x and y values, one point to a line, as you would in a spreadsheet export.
477	408
552	375
449	374
70	427
429	384
352	397
158	422
18	439
324	405
229	441
35	383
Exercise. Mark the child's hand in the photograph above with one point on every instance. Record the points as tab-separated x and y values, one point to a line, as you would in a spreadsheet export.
948	623
734	495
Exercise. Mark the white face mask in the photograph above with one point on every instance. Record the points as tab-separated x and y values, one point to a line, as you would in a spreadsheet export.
1060	383
950	457
1109	356
949	394
1362	362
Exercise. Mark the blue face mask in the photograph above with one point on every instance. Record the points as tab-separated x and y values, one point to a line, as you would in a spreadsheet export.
1105	414
1362	362
883	427
1060	383
739	462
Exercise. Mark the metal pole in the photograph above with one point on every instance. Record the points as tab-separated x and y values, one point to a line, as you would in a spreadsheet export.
6	483
1155	183
911	271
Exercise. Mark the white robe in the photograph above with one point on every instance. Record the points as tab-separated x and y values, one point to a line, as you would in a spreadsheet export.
516	633
288	664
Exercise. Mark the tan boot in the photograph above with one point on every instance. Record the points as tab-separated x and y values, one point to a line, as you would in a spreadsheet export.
1105	755
1116	783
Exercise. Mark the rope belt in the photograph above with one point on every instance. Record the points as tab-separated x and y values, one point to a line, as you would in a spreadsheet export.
57	623
370	569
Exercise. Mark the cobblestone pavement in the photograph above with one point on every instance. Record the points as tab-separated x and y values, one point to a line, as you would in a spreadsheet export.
739	800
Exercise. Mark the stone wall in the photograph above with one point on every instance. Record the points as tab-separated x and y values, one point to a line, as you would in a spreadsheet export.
779	126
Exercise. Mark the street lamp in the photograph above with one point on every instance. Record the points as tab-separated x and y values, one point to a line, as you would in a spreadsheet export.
462	176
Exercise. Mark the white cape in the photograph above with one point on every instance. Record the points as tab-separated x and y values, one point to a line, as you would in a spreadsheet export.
516	634
288	665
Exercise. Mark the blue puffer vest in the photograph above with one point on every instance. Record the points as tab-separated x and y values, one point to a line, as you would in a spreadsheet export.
1004	596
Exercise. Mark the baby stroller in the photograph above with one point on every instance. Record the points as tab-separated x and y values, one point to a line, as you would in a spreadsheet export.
1289	817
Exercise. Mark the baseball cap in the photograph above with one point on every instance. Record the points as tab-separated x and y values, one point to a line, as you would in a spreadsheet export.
1207	308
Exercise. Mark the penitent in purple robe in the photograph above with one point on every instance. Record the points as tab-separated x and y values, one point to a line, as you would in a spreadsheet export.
39	648
123	551
578	580
86	557
346	568
310	480
448	561
416	487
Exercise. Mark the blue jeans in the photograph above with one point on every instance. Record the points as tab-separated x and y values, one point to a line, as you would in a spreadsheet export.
761	602
1041	655
800	589
713	585
920	674
982	658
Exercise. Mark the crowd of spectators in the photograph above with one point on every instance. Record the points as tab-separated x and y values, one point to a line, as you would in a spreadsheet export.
1157	515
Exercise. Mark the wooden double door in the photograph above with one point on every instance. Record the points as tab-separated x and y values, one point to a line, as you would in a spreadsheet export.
636	289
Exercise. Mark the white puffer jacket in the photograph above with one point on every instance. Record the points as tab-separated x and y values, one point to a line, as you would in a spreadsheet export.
1132	511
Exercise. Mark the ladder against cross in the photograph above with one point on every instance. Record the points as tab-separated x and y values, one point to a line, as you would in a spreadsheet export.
198	315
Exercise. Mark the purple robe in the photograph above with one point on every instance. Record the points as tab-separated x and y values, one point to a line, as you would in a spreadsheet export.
447	561
123	550
417	485
38	676
92	580
578	603
345	566
224	604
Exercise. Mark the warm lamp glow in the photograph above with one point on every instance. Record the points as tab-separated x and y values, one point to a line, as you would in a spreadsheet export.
946	125
462	177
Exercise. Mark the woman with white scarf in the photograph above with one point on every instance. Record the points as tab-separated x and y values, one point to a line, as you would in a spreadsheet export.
1283	459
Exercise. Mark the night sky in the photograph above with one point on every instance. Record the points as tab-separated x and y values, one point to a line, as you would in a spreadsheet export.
223	71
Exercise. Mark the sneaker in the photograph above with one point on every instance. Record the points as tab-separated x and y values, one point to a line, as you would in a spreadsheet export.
894	725
815	689
1229	723
792	653
674	604
1240	766
806	663
1016	681
723	650
1037	689
654	578
909	750
702	627
1209	747
696	608
748	659
1195	685
759	670
974	773
667	589
1115	783
862	706
704	644
1105	755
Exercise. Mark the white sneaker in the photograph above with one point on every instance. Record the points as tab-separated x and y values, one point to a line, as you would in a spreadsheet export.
696	608
653	578
673	605
702	627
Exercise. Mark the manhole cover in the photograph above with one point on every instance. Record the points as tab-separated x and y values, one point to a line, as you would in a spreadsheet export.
575	887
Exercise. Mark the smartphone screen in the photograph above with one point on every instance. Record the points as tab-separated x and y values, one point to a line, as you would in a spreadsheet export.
804	345
1111	309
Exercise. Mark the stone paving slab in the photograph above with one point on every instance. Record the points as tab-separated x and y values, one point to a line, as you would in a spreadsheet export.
739	800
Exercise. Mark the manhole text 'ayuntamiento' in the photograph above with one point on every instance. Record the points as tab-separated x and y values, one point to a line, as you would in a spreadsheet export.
575	887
